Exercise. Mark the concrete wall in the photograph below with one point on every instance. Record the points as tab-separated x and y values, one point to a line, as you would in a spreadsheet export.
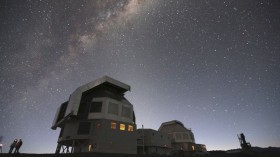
107	140
101	137
154	142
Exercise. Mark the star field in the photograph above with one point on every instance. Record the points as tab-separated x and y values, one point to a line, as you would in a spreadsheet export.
214	65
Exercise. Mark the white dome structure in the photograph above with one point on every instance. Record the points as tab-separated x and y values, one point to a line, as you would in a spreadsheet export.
183	138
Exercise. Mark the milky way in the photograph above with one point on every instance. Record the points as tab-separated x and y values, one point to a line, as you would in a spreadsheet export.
214	65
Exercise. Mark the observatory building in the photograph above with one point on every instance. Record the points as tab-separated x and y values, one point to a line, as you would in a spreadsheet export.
97	118
183	138
172	138
153	142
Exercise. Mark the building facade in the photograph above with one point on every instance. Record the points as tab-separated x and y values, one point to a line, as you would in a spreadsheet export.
150	141
97	118
182	137
172	138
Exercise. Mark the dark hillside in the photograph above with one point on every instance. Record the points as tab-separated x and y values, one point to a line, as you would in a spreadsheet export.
211	154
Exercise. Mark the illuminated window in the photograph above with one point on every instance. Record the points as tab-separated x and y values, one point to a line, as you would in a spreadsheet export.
130	128
113	125
89	148
122	126
192	147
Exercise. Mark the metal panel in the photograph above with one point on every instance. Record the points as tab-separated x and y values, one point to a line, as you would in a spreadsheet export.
75	98
55	118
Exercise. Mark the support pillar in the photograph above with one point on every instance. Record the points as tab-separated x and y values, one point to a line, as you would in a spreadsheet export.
57	151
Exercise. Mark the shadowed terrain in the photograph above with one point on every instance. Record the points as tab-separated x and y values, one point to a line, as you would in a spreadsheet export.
211	154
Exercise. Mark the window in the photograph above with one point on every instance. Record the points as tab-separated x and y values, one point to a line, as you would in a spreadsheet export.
122	127
113	108
113	125
185	136
126	112
178	136
96	107
84	128
130	128
89	147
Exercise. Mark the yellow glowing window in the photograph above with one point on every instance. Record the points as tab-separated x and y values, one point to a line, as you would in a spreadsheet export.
122	126
192	147
113	125
130	128
89	147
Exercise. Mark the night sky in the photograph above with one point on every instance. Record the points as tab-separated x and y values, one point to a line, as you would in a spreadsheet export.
213	65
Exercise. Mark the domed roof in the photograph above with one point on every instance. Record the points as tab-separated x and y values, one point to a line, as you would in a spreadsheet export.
173	126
